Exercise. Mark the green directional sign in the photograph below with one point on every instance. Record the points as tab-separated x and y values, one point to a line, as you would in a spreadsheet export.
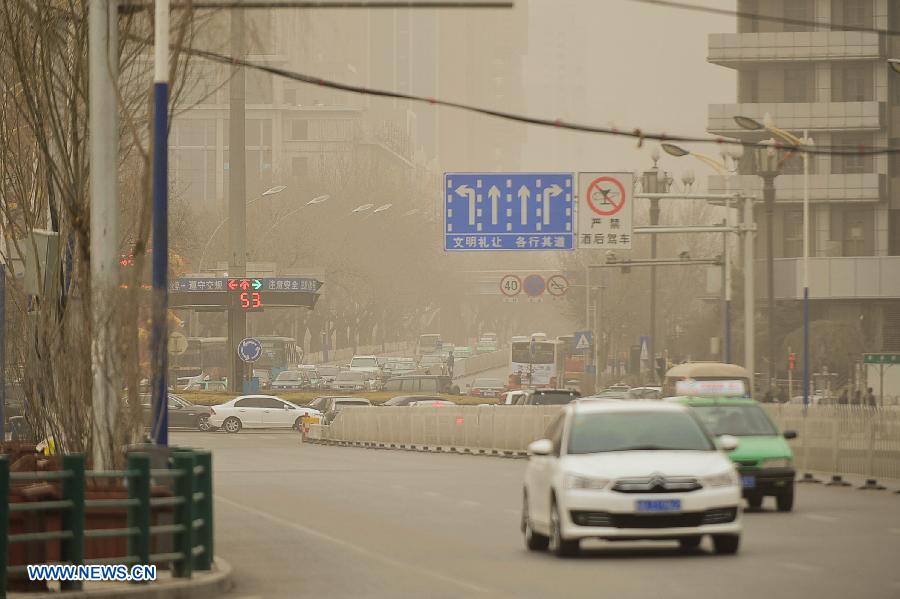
881	358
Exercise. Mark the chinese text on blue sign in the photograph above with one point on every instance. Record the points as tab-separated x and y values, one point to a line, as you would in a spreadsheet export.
508	211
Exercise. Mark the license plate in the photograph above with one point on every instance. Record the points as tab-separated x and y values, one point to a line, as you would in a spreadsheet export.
659	505
748	482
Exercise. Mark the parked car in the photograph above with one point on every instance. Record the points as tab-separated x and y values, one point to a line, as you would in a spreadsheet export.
336	404
644	393
405	400
764	459
547	397
368	364
328	374
630	471
422	383
288	380
354	380
486	387
511	398
432	364
182	413
258	411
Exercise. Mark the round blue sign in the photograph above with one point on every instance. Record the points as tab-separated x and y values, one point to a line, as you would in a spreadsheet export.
534	285
249	349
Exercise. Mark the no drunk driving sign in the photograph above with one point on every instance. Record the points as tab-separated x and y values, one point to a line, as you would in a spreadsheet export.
605	208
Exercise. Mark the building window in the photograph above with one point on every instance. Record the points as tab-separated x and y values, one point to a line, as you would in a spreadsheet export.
852	83
749	87
261	33
894	233
853	13
300	167
798	10
748	24
259	87
859	232
852	164
798	85
894	158
793	234
299	129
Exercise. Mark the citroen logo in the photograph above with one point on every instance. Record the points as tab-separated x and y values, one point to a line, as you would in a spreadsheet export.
657	480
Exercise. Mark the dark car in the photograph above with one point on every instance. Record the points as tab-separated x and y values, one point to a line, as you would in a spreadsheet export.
422	383
182	413
547	397
405	400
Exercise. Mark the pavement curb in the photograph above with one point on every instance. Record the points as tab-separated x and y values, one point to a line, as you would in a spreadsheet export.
423	447
203	585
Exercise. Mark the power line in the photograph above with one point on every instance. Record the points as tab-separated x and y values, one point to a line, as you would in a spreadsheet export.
129	7
770	18
637	133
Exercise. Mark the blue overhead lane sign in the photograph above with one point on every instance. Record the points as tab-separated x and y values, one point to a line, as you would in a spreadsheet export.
508	211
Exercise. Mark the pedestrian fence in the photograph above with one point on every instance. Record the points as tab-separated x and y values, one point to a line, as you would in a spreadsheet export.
843	439
835	439
136	516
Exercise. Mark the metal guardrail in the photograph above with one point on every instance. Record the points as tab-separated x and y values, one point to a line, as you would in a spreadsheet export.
191	530
843	439
837	439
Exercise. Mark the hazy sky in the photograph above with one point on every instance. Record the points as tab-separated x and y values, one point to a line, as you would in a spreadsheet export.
621	62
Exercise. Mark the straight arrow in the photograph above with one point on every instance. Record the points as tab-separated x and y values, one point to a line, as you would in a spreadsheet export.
494	194
524	194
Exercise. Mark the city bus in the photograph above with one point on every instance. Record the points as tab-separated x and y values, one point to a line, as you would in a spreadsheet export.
536	363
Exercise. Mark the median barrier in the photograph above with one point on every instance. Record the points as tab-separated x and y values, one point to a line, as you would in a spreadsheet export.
843	439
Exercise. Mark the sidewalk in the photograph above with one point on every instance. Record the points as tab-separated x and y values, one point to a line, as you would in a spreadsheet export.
202	585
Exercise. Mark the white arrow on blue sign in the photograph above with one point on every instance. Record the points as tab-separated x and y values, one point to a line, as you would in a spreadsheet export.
583	340
249	349
508	211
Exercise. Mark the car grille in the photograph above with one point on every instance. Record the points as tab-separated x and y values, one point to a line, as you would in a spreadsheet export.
685	520
657	484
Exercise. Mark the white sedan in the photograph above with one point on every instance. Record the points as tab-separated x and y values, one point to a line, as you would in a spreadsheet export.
629	471
258	411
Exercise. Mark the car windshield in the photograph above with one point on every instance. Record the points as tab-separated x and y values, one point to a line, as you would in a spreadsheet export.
553	398
635	431
288	375
488	383
349	375
738	420
364	363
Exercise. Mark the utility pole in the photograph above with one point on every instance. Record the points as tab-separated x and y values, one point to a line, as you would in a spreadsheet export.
653	182
237	203
103	57
747	228
159	430
767	159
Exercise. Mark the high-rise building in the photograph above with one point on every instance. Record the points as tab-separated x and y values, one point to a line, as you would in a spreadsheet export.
837	86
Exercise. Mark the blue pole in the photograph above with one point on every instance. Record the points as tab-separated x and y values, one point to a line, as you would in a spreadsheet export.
805	347
159	337
2	352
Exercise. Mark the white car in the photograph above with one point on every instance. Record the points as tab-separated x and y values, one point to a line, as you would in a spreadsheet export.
258	411
629	471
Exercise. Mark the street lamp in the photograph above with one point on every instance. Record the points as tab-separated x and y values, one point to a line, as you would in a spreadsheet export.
362	208
281	219
769	167
806	141
269	192
734	153
894	63
382	208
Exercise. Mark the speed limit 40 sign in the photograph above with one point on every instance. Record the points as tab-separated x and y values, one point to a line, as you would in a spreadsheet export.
510	285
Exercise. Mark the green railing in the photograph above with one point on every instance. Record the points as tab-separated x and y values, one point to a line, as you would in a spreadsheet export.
191	530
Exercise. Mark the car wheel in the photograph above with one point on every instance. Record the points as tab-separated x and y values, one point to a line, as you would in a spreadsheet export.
755	501
534	541
689	543
785	500
726	544
203	424
558	545
232	425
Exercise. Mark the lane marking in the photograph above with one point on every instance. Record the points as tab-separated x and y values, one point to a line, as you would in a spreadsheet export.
820	518
406	566
800	567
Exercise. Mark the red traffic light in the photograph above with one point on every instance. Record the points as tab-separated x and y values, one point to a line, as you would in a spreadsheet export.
792	360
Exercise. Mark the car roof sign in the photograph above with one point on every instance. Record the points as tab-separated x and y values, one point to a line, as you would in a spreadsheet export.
724	388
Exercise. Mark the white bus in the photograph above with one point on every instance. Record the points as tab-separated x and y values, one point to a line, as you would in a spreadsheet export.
535	363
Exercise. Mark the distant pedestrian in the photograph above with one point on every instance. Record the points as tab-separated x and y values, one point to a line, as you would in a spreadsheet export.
767	398
782	395
450	364
857	397
844	398
870	399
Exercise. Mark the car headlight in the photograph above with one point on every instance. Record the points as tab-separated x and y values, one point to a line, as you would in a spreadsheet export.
777	463
575	481
725	479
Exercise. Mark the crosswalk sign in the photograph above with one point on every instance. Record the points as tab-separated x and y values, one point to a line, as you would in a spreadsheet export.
583	340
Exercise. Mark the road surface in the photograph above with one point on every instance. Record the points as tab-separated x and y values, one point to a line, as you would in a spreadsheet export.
315	521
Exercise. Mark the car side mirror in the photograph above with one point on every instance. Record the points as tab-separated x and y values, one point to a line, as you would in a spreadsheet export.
540	447
728	442
790	434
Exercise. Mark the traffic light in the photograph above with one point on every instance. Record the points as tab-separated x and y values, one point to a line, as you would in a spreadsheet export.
792	360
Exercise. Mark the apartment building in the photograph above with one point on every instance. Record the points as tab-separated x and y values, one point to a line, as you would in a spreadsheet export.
836	85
